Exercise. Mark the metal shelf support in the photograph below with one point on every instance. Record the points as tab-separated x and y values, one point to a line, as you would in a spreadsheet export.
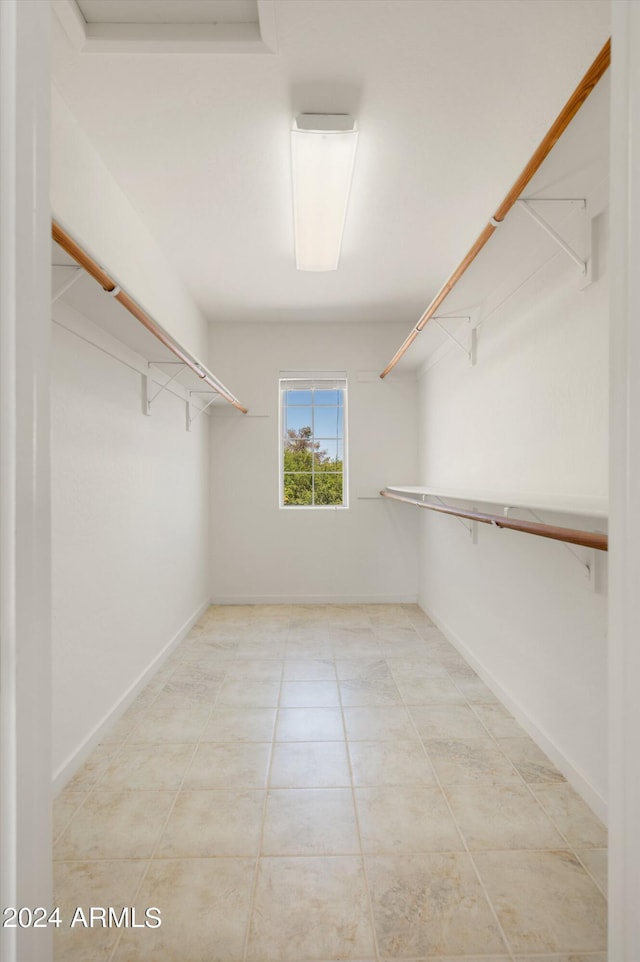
584	266
149	398
590	564
199	410
471	528
470	350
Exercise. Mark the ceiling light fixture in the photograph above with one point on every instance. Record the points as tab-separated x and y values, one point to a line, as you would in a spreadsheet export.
323	150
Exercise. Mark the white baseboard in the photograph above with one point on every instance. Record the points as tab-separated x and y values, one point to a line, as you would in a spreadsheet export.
571	772
314	600
70	766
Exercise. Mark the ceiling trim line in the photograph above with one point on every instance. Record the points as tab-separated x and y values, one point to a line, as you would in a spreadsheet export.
225	38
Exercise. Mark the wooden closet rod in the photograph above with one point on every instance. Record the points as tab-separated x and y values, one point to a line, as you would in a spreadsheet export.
80	256
589	539
560	124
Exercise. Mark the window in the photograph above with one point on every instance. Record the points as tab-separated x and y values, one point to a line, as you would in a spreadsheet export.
313	441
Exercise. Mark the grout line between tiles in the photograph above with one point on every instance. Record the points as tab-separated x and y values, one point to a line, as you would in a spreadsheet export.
571	848
462	837
145	873
357	818
254	884
319	632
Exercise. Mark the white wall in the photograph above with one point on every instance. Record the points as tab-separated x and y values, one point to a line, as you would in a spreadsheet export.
130	493
530	418
263	553
130	505
88	202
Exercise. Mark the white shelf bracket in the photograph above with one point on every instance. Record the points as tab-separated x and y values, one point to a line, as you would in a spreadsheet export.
199	410
584	266
471	527
148	397
77	272
469	350
590	561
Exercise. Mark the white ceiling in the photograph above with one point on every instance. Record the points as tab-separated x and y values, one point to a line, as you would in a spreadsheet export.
451	98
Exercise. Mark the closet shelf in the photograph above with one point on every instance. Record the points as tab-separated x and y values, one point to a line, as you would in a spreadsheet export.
514	197
73	250
465	505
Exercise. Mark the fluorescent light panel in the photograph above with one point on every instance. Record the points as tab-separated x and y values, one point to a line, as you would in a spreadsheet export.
323	150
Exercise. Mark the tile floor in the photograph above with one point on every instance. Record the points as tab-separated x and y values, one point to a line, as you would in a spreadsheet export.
322	783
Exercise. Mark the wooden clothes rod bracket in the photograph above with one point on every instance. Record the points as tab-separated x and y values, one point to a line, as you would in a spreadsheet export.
81	257
558	127
588	539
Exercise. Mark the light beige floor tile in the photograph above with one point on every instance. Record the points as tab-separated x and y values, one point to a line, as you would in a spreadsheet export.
269	647
205	908
595	861
457	666
147	767
167	725
573	817
144	700
310	649
572	957
531	762
64	808
309	669
349	619
309	725
118	731
393	627
310	821
120	825
200	685
475	690
369	693
414	650
198	656
425	905
354	648
405	819
93	768
310	908
309	765
85	884
446	721
407	669
309	694
390	763
249	694
501	814
466	958
240	725
262	669
429	691
362	669
207	824
228	766
170	701
389	615
498	721
210	643
458	761
545	901
367	723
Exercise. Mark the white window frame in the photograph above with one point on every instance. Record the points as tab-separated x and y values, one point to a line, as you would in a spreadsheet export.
313	376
